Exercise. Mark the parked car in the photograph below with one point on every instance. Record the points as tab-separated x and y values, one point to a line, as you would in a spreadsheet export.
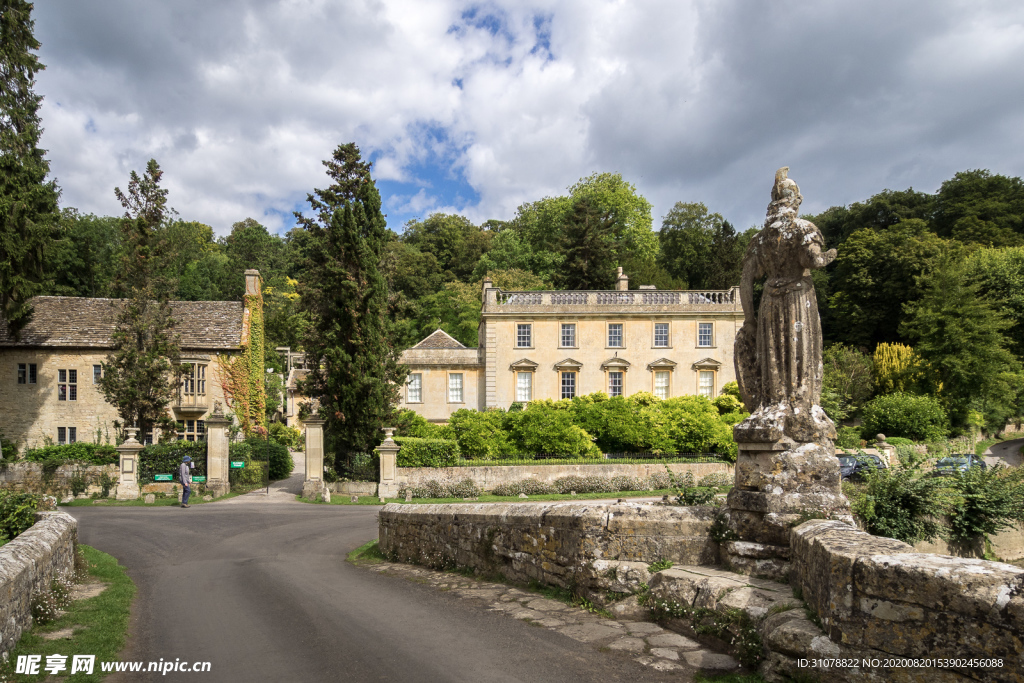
854	466
958	462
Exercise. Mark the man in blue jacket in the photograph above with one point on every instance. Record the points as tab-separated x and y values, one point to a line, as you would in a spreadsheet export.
185	474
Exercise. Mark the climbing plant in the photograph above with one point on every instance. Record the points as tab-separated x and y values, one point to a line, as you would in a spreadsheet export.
241	376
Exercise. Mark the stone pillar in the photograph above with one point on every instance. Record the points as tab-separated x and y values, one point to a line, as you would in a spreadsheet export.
886	451
621	281
217	466
388	451
128	480
313	486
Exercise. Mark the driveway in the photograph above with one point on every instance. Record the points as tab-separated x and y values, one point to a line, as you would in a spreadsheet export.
1007	452
259	587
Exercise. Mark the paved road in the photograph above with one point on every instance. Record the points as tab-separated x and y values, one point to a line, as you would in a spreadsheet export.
1008	452
260	588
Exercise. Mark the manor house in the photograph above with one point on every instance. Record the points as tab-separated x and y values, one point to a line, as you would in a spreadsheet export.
561	344
49	391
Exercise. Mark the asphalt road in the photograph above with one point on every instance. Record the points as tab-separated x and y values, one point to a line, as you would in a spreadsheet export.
263	592
1006	452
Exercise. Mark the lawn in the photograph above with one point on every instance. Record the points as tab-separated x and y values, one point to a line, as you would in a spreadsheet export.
343	499
167	501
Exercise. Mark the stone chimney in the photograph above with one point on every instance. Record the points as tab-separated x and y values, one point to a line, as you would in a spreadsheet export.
252	282
487	283
622	281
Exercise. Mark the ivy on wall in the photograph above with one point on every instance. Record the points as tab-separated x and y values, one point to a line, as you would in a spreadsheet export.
241	376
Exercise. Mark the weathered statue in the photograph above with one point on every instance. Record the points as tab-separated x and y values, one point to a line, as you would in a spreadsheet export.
778	350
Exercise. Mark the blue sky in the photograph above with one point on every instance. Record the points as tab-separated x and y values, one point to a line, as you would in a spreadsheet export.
476	108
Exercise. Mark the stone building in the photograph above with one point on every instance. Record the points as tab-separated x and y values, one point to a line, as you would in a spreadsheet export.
560	344
49	390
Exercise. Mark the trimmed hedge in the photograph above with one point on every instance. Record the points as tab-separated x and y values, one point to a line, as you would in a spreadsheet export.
91	453
427	452
920	418
166	457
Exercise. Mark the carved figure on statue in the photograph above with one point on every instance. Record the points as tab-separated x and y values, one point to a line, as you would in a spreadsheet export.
778	349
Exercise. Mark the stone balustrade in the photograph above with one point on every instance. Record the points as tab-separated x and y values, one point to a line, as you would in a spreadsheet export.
497	300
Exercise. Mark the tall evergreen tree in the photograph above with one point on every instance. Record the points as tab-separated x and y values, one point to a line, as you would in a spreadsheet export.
28	202
349	346
589	247
141	374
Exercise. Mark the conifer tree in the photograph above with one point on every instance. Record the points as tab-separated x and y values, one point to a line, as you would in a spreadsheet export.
141	374
349	345
28	202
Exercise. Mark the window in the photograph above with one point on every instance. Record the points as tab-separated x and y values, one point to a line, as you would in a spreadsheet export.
706	383
414	393
568	385
615	383
615	334
524	335
705	334
32	377
22	373
524	386
192	430
661	379
193	382
26	373
569	335
200	429
455	387
66	435
97	373
67	385
661	335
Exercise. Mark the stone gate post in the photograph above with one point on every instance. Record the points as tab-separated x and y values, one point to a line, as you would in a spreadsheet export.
388	451
128	478
313	486
217	453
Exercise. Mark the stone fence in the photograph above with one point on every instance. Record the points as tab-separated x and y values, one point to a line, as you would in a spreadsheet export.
877	597
28	565
574	545
487	477
29	476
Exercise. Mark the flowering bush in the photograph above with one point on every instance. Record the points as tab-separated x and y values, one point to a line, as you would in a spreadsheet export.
530	487
716	479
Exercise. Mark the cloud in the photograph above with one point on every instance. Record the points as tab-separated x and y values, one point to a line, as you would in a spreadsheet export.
478	107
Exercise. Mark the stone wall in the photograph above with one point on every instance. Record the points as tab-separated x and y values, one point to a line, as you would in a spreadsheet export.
876	595
487	477
575	545
28	476
353	488
28	565
1007	545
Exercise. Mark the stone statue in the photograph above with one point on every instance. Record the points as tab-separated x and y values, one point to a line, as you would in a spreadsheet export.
778	350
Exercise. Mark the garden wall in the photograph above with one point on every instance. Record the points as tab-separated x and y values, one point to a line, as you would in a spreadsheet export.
877	594
553	543
487	477
28	564
29	476
1007	546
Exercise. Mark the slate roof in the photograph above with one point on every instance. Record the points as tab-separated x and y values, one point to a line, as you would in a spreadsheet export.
440	340
76	322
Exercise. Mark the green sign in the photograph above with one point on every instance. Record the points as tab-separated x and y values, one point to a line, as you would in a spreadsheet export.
237	464
163	477
199	479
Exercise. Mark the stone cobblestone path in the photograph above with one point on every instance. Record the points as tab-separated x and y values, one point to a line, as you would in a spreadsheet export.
646	642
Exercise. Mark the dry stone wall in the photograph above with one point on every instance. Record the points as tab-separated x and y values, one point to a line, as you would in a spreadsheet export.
28	565
590	547
29	476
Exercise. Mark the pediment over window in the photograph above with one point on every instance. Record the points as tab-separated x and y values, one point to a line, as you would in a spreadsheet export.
568	364
523	365
707	364
662	364
615	363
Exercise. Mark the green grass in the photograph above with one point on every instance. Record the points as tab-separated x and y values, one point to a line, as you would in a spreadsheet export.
344	499
368	553
100	623
140	502
982	446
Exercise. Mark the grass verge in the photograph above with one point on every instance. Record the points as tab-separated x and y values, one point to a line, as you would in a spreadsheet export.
343	499
100	624
368	553
140	502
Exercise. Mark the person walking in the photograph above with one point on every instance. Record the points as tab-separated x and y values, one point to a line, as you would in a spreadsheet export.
185	474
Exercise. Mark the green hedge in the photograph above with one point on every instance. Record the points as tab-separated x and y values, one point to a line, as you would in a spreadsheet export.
92	453
17	513
166	457
920	418
427	452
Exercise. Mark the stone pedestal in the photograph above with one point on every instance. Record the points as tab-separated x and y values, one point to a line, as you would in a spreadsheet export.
779	484
388	451
313	487
128	479
217	465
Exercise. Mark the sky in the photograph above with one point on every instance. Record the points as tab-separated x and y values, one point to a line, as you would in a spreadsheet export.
476	108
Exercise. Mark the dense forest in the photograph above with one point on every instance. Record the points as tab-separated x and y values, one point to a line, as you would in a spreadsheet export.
934	280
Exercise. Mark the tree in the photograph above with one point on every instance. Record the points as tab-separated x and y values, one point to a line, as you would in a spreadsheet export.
452	240
701	249
141	374
29	216
981	208
848	373
83	262
349	344
1000	277
589	248
880	212
959	336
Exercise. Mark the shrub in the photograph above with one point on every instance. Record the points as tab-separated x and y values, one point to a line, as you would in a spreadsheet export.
287	436
410	423
986	501
427	453
547	427
659	480
530	487
481	435
358	466
9	448
849	437
166	457
252	475
694	426
687	493
627	483
716	479
898	441
91	453
435	488
280	461
586	484
895	504
920	418
17	513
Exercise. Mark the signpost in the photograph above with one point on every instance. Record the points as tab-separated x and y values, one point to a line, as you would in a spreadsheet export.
237	464
163	477
199	479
